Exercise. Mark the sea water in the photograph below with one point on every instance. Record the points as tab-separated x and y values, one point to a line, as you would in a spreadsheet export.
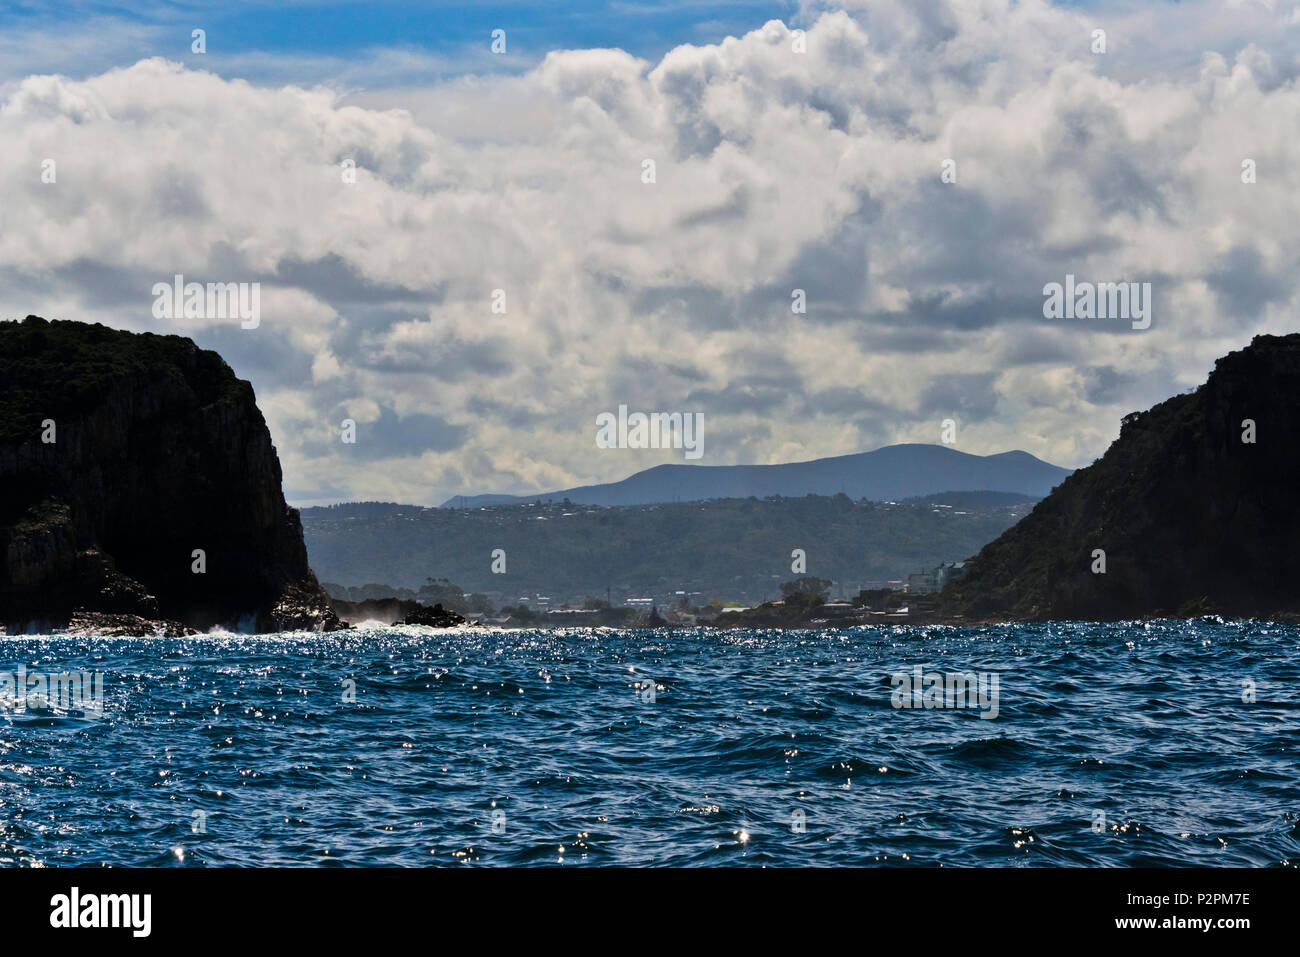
1141	743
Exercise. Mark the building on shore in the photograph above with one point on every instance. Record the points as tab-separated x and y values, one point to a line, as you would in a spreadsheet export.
923	583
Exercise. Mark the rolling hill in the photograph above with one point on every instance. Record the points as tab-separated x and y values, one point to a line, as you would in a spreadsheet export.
736	549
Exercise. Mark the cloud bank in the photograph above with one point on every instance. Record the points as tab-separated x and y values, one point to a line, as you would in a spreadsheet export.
782	162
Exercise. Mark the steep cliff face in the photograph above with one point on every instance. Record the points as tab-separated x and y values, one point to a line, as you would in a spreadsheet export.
1192	518
121	455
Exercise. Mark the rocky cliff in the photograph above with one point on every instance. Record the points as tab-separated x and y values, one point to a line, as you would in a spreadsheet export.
138	482
1193	506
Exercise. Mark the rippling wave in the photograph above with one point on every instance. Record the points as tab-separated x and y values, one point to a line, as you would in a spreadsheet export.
1148	743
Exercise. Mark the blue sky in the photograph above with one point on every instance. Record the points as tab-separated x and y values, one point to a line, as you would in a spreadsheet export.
455	35
646	29
313	42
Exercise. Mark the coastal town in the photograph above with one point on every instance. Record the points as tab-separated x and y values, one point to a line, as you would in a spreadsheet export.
723	561
805	600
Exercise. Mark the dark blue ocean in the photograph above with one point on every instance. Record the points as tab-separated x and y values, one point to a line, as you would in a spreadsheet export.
1163	743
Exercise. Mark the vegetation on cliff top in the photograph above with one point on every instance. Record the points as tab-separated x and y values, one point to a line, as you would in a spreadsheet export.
62	369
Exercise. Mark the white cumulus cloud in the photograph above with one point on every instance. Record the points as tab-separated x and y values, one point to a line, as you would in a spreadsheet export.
775	170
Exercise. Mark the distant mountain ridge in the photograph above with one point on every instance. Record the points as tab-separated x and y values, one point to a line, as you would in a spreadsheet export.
886	474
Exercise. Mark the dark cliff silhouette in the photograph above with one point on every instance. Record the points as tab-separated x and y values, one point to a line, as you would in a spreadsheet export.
1192	517
122	454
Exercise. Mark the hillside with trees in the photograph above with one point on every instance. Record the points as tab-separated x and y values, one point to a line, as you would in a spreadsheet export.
734	549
